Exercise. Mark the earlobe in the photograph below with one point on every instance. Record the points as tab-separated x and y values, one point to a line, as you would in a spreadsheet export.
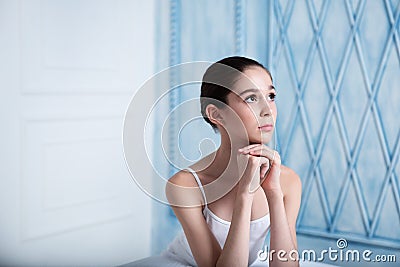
214	115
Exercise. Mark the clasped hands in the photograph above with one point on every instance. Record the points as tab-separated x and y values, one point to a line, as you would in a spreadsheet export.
259	165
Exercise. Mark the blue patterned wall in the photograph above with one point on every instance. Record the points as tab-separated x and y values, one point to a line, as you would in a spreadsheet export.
336	66
341	81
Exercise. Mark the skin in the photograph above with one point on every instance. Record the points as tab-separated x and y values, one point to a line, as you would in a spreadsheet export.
243	160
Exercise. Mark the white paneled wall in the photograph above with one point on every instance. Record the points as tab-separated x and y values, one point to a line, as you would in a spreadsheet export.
68	70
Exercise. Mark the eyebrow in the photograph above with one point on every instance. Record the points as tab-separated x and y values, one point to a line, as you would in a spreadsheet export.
271	87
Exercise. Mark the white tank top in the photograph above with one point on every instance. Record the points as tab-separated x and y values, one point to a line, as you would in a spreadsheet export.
179	248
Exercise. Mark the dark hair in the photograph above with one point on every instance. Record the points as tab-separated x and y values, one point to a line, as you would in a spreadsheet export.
219	78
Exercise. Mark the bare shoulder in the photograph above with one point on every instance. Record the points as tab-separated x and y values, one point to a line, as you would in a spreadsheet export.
182	190
290	181
183	178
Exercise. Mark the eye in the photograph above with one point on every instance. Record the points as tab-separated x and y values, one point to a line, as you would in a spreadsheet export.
250	99
272	96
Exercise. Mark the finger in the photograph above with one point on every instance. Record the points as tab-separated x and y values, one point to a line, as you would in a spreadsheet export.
247	148
265	152
261	146
274	172
276	158
264	169
263	176
261	160
268	152
275	169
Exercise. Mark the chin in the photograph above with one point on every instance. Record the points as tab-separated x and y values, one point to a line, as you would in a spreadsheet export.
261	139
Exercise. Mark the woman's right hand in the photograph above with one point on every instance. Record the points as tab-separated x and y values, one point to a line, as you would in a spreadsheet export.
249	168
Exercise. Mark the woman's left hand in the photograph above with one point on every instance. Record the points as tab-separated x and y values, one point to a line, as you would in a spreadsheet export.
270	183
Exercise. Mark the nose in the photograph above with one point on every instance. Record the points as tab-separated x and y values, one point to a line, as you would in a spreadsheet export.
265	108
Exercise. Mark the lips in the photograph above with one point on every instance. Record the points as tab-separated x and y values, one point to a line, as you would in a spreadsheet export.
266	127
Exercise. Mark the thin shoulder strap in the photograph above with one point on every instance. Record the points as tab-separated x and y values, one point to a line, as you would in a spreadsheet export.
199	183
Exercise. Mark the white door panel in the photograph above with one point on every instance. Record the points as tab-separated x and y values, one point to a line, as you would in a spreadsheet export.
68	71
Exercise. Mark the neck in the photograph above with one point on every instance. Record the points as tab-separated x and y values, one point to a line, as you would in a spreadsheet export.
222	166
225	160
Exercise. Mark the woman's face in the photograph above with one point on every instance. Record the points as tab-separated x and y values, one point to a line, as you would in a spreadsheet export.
253	101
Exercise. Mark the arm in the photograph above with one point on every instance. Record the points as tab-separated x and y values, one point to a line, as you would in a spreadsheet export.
186	200
292	188
283	233
236	248
283	197
283	238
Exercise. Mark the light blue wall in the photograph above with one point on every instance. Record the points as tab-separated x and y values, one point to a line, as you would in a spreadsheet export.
336	66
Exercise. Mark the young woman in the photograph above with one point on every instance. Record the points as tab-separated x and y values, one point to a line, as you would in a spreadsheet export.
229	200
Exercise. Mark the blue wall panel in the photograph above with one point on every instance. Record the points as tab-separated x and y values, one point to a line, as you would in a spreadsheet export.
336	77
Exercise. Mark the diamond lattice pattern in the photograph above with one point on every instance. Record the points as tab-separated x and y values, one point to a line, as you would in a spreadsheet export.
337	70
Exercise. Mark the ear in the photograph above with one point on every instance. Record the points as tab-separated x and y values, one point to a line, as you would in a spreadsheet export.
214	114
